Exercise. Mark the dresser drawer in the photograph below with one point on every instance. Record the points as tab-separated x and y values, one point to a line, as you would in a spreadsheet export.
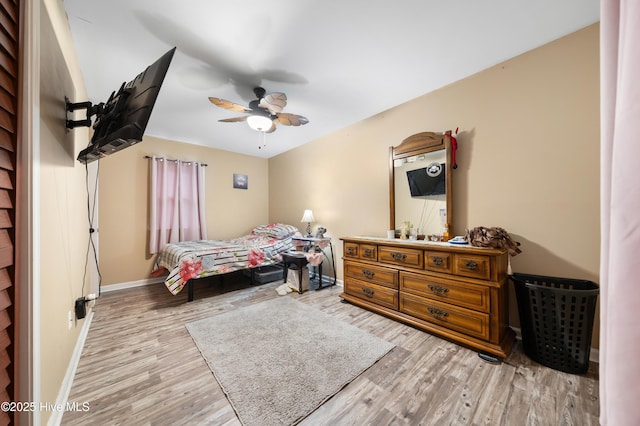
401	256
470	296
361	251
351	250
474	266
438	261
373	293
463	320
369	252
386	277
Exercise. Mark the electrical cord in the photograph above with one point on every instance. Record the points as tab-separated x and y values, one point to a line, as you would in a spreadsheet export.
91	209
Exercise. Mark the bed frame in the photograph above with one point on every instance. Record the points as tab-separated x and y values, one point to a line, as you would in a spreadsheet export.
253	273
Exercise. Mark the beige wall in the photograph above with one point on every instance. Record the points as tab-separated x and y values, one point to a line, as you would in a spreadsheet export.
124	202
528	160
62	199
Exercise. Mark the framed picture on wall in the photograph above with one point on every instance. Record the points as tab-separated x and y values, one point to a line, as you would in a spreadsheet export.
240	181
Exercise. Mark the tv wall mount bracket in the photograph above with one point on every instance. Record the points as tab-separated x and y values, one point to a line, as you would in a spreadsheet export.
90	111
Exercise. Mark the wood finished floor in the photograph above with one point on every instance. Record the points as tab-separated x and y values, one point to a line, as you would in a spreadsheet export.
140	366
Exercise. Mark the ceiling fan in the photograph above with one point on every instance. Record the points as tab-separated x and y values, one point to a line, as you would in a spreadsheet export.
264	112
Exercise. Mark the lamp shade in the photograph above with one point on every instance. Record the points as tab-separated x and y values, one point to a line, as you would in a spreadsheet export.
259	122
307	216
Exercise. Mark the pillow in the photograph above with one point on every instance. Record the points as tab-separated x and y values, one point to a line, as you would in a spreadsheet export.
275	230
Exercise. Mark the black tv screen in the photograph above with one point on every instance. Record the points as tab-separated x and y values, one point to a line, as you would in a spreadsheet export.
124	117
428	180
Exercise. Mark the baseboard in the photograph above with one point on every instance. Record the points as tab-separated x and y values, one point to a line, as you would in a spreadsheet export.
132	284
67	381
594	354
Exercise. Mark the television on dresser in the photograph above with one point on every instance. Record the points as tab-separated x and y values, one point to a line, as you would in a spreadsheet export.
122	120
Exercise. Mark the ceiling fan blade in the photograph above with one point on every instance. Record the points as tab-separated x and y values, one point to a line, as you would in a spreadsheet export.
223	103
273	128
291	119
274	102
234	119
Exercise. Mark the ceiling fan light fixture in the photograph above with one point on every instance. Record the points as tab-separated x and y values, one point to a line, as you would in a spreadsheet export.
259	123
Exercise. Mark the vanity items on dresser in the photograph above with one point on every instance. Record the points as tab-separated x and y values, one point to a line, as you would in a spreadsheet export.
456	292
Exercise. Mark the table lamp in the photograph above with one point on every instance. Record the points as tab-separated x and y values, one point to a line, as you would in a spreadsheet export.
308	217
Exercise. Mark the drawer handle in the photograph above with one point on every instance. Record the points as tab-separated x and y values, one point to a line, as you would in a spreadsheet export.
351	250
438	261
438	314
438	290
399	257
367	292
368	252
368	274
471	265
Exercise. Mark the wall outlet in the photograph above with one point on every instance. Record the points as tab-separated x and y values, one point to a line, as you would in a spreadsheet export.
69	320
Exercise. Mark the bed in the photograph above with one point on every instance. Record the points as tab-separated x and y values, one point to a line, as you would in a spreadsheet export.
187	261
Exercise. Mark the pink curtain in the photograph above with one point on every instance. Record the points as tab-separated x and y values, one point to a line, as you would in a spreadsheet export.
620	213
177	211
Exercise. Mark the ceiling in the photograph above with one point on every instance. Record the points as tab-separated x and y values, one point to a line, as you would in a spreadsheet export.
338	62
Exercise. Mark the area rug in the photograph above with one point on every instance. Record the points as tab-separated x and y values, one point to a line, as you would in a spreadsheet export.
279	360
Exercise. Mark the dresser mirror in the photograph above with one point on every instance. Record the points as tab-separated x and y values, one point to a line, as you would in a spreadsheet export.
420	184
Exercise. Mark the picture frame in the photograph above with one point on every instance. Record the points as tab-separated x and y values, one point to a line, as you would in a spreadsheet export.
240	181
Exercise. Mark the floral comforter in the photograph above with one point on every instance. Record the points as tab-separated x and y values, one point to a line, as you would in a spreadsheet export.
199	259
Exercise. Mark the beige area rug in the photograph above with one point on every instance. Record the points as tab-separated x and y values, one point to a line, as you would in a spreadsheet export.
279	360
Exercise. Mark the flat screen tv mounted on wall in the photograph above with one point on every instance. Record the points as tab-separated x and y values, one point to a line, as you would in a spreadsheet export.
122	120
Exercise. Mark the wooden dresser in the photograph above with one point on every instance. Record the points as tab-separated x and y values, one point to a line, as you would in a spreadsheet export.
456	292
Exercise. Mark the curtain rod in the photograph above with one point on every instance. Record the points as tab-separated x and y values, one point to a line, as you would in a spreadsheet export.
182	161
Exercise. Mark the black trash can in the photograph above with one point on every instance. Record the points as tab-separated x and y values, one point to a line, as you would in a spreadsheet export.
556	319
